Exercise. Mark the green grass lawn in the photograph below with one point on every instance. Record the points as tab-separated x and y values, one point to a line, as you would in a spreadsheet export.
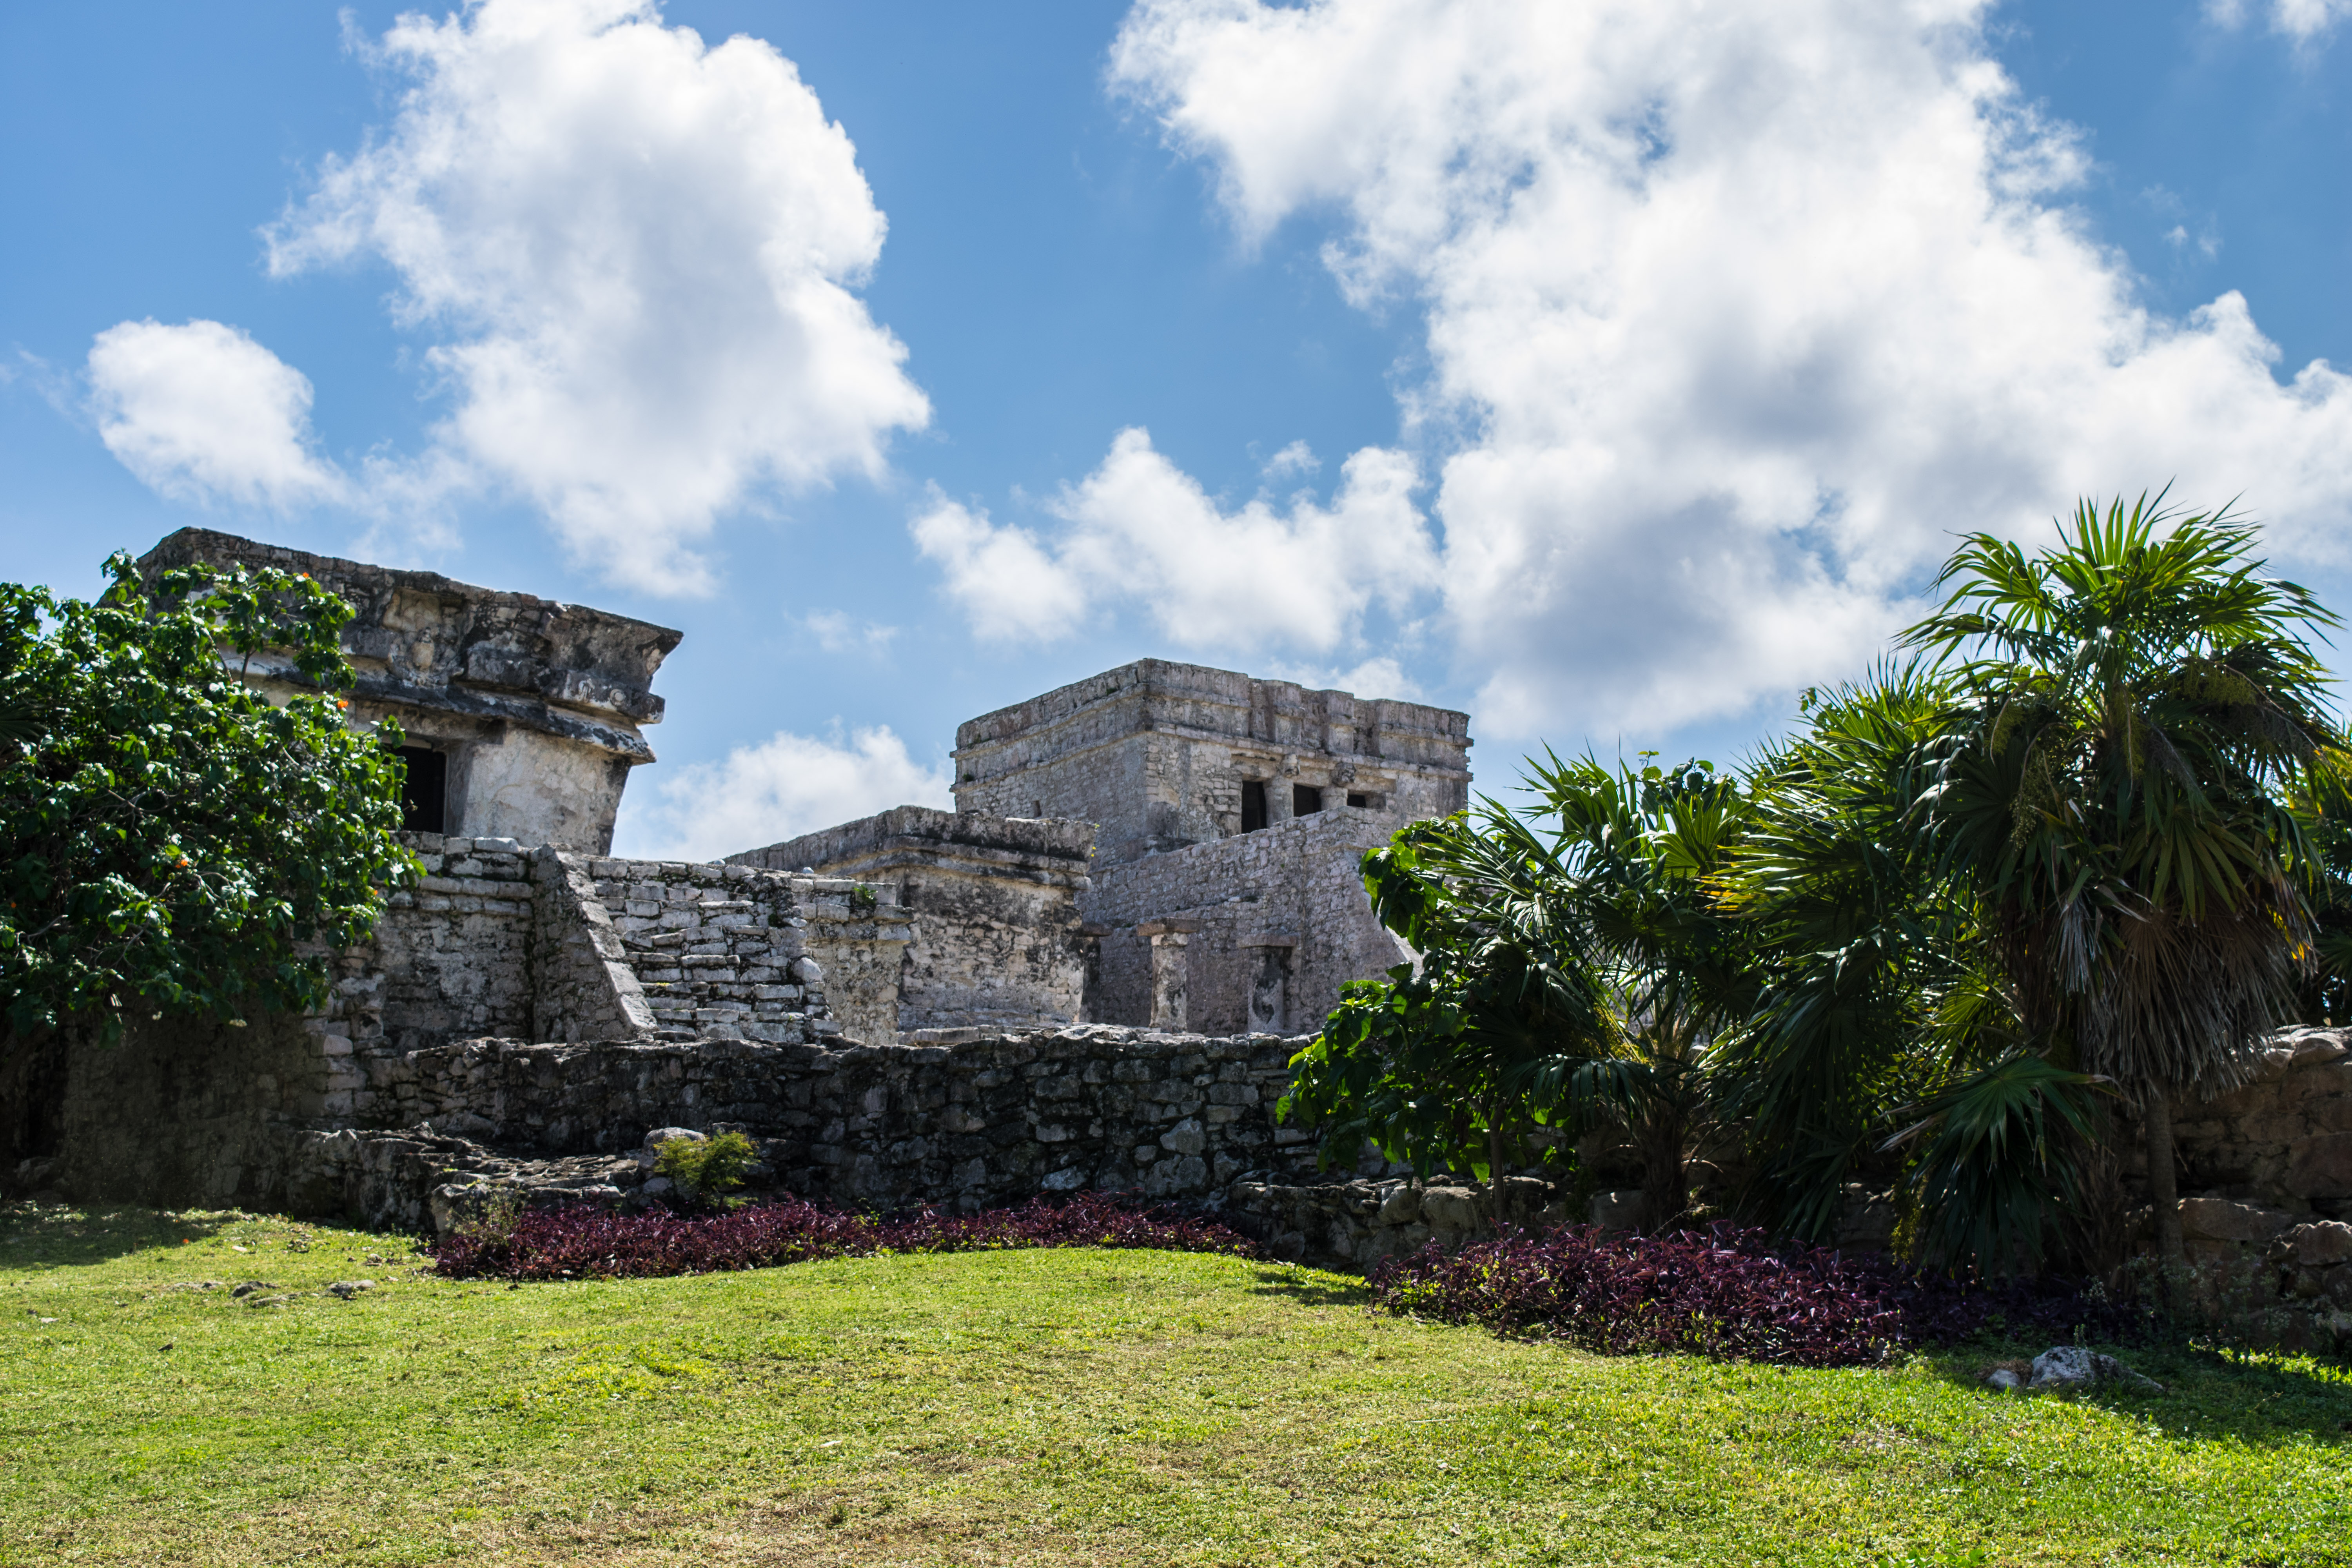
1078	1406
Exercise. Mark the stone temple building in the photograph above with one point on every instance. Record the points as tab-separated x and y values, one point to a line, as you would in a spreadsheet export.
524	716
1162	845
1082	976
1225	816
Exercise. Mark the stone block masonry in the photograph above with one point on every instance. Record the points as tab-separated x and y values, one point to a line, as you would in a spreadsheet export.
972	1124
1261	929
731	952
527	712
1161	756
2284	1141
996	939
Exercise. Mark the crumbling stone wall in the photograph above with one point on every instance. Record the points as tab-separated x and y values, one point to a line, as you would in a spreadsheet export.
584	985
994	933
198	1112
971	1124
1271	925
724	953
2282	1142
451	957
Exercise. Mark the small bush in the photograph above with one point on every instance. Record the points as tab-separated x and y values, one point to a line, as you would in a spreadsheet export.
1725	1293
706	1169
583	1242
494	1219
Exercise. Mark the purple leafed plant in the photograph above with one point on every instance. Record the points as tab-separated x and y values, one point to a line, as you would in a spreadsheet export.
1725	1293
583	1242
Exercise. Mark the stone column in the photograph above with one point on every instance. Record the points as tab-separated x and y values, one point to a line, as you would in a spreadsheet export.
1269	1003
1170	957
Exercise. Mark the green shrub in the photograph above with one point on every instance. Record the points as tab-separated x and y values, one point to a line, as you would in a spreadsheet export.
492	1222
706	1169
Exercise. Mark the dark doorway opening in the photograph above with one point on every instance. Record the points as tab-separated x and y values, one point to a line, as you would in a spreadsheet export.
1305	800
1252	804
424	790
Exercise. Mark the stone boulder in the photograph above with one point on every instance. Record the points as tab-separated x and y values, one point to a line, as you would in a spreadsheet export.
2220	1219
2319	1166
2070	1367
2316	1245
1452	1208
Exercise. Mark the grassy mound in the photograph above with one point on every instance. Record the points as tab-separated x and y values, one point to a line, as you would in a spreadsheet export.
1069	1405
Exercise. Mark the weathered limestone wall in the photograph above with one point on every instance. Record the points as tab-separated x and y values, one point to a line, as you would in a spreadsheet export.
199	1113
2283	1141
973	1124
1157	755
724	951
452	957
996	939
537	705
1261	929
523	784
583	986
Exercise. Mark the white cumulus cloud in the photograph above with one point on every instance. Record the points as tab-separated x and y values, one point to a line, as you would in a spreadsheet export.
1008	582
1379	676
836	631
1736	313
202	413
636	253
1140	533
784	787
2302	20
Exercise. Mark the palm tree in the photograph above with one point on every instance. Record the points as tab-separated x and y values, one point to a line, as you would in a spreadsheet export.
2134	709
1449	1064
1637	851
1870	995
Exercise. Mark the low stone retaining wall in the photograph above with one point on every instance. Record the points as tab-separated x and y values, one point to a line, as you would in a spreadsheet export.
968	1125
2284	1141
255	1117
977	1122
1354	1224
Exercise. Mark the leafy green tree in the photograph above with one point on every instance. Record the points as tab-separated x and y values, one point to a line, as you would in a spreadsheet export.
172	842
2136	711
1572	970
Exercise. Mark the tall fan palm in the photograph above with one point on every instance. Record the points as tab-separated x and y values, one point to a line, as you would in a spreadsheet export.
2136	707
1863	951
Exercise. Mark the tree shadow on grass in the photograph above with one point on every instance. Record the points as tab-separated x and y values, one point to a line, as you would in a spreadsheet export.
37	1235
1311	1286
2258	1398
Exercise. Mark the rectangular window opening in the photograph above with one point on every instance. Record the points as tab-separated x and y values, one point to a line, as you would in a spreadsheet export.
1360	801
1305	800
424	790
1252	804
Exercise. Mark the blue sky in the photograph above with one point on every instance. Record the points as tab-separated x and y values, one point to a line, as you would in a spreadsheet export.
1610	373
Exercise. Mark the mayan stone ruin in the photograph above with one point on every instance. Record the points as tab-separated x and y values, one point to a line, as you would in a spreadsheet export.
1092	973
1082	976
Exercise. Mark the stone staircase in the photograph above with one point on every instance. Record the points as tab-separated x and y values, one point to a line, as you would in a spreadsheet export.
719	951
